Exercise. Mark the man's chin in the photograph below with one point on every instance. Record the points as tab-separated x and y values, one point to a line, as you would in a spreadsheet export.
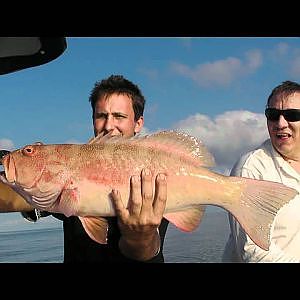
284	148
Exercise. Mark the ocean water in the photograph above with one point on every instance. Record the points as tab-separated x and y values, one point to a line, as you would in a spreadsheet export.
204	245
40	245
45	245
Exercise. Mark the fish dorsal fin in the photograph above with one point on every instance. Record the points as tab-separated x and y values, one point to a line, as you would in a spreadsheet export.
100	138
180	144
175	143
186	220
96	228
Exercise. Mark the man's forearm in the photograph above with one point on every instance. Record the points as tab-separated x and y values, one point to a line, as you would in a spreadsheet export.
10	201
140	249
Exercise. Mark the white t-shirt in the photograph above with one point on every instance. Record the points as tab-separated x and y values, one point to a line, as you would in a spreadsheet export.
266	163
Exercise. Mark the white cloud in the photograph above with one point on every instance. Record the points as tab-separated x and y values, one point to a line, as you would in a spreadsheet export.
152	74
253	60
288	58
281	49
220	72
6	144
295	67
228	135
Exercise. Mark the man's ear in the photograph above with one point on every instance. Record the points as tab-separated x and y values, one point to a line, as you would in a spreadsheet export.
139	124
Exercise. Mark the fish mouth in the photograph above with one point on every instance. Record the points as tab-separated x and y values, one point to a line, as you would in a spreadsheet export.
9	167
2	154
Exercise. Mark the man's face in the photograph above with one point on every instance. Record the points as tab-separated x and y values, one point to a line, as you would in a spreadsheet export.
285	135
115	115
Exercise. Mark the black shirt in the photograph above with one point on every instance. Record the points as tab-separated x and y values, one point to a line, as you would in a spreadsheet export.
79	247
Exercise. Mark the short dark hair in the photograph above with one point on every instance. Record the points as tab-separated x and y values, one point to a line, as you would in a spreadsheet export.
284	90
119	85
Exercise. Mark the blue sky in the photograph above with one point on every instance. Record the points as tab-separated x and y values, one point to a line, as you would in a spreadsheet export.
213	88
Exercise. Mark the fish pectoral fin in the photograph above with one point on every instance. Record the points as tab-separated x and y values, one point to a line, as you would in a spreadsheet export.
188	219
96	228
68	201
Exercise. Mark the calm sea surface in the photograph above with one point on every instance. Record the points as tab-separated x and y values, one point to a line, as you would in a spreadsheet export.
206	244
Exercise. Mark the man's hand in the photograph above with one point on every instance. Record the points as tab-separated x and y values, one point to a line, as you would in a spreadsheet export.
139	222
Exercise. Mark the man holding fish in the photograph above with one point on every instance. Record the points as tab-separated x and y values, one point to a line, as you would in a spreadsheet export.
277	159
137	234
81	180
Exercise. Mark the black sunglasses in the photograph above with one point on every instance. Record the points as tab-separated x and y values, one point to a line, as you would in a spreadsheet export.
291	115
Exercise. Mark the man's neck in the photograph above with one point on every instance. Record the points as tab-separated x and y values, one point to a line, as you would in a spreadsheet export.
295	164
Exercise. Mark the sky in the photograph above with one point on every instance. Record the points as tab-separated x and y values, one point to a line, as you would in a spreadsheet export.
212	88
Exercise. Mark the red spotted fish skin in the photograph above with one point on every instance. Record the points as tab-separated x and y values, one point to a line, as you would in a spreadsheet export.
98	168
77	180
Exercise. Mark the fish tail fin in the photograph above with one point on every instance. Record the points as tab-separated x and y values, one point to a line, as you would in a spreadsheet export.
259	204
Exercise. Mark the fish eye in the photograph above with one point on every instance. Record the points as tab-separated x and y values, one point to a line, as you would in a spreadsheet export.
28	150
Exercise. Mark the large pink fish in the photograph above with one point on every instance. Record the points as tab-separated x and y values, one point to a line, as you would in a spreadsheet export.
77	180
